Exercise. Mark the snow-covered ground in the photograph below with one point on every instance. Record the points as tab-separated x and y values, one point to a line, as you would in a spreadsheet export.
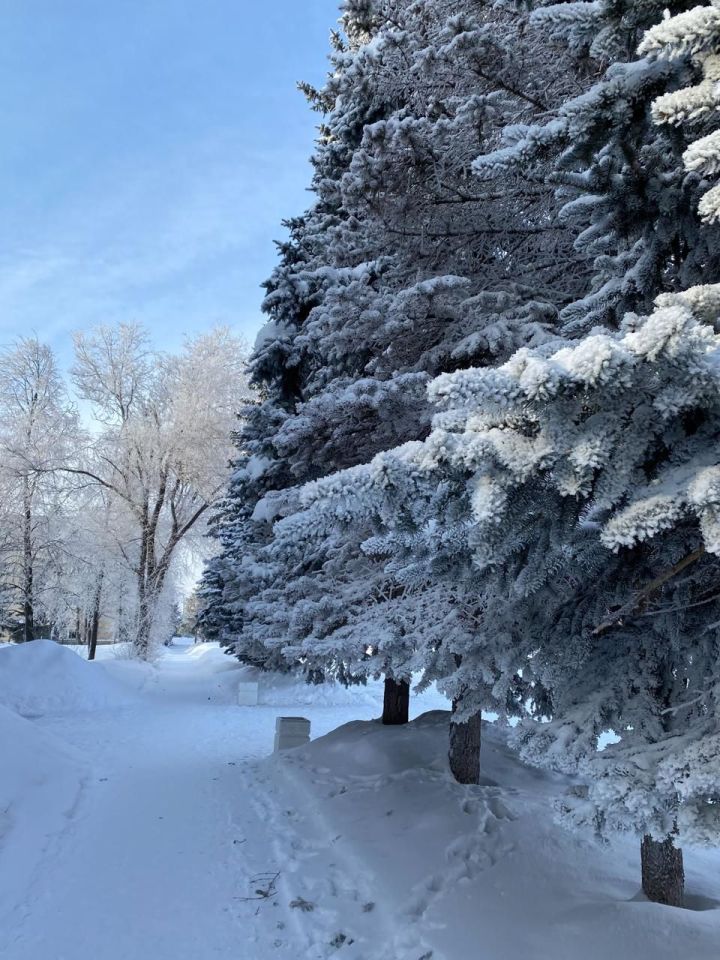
142	817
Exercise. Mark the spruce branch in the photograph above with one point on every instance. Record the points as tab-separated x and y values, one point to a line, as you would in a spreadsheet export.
638	600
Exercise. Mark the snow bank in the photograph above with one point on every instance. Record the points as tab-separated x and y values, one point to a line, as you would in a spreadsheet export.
385	853
40	783
42	678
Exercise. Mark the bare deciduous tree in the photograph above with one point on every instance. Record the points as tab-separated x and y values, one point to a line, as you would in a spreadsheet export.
38	426
162	453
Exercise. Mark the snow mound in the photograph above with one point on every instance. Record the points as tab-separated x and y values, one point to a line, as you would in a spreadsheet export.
40	782
362	749
42	678
372	814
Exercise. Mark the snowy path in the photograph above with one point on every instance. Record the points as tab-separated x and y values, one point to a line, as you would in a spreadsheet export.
376	852
167	835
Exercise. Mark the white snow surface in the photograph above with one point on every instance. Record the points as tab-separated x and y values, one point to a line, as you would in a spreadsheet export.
43	678
154	823
40	783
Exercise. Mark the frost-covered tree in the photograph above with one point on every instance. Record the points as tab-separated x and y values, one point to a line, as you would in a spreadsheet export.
694	35
93	584
162	454
404	268
627	196
38	429
582	536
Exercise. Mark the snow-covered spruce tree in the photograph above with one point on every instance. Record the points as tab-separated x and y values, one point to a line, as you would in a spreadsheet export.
674	651
281	366
485	254
695	34
627	196
584	527
622	431
422	271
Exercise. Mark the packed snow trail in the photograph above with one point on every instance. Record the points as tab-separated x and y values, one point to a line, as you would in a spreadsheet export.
141	820
166	838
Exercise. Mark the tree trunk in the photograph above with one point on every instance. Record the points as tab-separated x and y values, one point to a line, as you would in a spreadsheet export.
95	621
147	607
28	605
141	642
663	877
464	754
28	621
396	702
94	630
151	581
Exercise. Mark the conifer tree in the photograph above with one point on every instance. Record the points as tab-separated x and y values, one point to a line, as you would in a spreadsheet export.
630	202
694	35
419	270
282	366
585	518
566	504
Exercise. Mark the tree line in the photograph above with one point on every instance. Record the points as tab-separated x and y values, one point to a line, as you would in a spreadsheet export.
484	448
105	490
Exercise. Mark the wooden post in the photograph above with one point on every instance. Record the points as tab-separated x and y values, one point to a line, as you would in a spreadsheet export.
291	732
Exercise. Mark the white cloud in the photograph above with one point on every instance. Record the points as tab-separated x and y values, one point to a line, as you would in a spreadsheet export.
179	243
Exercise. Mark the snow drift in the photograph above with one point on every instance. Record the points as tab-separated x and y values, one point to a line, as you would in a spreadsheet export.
42	678
387	855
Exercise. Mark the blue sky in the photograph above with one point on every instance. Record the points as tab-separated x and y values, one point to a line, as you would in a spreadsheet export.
149	151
